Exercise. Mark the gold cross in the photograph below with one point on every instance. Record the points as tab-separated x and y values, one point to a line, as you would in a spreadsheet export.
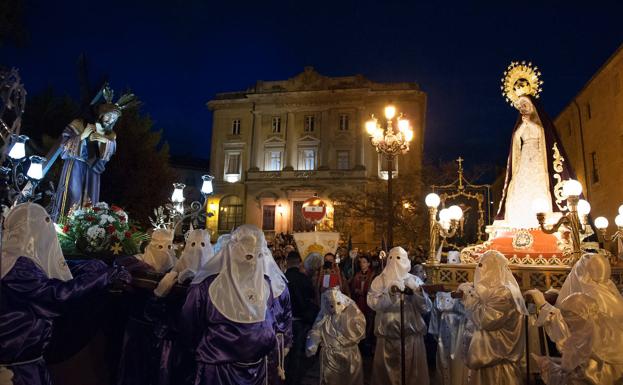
116	248
460	162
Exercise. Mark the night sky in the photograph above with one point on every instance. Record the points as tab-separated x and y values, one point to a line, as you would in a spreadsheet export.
177	55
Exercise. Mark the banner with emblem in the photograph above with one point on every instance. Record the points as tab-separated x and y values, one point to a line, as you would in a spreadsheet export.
320	242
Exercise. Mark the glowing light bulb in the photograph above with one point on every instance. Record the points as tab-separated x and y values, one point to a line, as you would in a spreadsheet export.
455	212
432	200
601	223
178	193
18	151
371	127
390	112
571	187
403	125
408	135
206	187
619	220
584	207
444	215
35	171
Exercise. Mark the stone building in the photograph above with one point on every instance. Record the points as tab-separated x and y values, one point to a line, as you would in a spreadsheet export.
281	142
591	129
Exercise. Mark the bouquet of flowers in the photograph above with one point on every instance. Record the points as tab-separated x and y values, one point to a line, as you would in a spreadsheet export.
100	228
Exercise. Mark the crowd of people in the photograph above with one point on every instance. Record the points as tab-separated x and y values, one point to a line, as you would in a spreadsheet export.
248	318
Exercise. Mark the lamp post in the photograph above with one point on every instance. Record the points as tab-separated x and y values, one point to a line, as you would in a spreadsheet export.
391	143
280	210
576	219
445	227
24	185
601	223
196	208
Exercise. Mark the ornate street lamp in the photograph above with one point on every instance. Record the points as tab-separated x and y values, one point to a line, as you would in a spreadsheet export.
445	227
601	223
576	219
24	185
196	208
390	143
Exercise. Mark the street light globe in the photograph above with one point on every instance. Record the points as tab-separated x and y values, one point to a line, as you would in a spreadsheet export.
206	186
621	210
432	200
35	171
455	212
409	135
601	223
390	112
571	187
539	206
178	193
403	125
584	207
371	127
444	215
18	151
619	220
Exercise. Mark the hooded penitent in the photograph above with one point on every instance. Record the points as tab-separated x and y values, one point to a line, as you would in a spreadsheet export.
196	254
37	287
29	232
159	253
493	341
239	292
229	318
493	271
339	327
386	303
591	276
214	264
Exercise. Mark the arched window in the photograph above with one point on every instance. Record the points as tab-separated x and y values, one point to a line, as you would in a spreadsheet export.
229	214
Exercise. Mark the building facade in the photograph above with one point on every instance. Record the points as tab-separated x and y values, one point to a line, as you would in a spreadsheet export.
591	130
281	142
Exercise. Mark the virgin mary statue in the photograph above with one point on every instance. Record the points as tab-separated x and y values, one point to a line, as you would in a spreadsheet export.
535	163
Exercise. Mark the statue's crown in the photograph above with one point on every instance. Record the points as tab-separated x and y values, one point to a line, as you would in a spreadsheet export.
520	79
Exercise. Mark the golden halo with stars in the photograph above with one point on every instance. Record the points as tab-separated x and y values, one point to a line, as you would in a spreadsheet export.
520	78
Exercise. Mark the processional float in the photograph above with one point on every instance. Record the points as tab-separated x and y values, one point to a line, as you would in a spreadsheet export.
542	223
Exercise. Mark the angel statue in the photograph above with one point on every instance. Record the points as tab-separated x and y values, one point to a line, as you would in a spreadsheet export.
535	163
86	146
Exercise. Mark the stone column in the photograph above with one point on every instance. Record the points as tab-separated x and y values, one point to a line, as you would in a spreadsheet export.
360	142
258	151
325	140
291	138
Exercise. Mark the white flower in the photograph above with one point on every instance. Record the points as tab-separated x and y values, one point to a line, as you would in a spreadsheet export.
78	212
95	232
101	205
105	218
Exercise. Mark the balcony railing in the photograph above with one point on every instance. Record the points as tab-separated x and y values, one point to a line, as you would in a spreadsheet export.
306	174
